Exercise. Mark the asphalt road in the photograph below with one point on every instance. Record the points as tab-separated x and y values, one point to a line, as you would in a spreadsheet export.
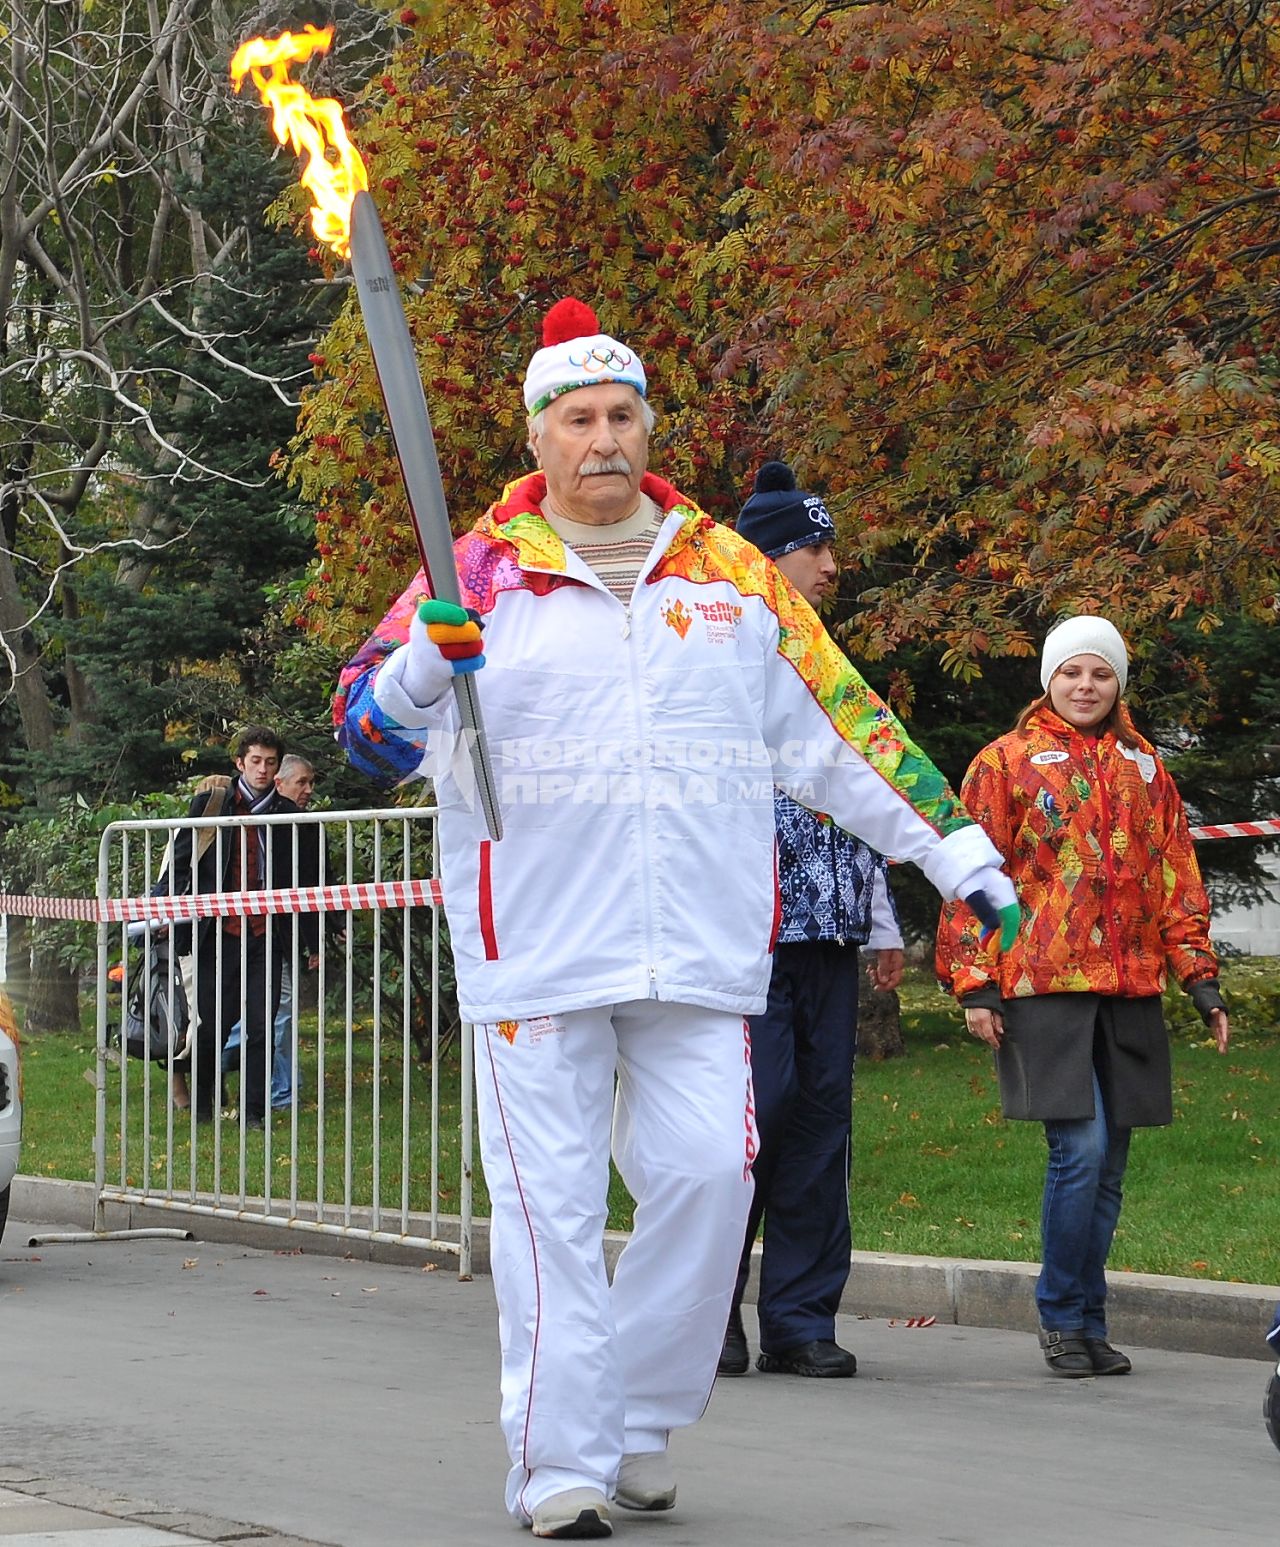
355	1403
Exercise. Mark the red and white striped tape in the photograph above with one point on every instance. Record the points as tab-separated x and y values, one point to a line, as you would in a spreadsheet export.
356	896
50	907
1263	829
203	905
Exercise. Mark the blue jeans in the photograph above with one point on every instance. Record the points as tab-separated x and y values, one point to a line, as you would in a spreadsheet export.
282	1071
1082	1195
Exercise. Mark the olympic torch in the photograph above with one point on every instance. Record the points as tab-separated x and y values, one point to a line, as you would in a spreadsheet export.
344	217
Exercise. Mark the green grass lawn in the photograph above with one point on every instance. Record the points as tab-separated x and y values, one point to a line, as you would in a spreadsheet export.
936	1169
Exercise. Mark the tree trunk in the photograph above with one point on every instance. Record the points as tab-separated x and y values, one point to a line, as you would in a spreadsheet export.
17	958
53	998
879	1025
20	655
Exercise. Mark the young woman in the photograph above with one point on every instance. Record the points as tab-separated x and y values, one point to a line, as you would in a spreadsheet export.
1096	842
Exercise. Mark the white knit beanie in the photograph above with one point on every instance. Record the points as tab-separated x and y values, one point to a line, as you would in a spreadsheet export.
576	354
1085	635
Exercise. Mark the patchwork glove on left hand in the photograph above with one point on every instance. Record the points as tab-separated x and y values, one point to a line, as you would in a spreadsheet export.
455	632
990	894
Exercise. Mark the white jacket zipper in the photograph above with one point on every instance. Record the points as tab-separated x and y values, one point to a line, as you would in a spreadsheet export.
646	772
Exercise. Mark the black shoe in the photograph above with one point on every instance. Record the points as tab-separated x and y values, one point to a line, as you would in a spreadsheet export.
1066	1353
1105	1359
254	1125
1271	1408
822	1358
735	1356
204	1114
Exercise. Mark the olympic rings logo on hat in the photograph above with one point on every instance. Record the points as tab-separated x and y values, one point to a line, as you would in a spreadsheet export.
818	512
602	359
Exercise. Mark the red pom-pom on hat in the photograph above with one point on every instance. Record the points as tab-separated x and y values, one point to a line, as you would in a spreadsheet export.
567	320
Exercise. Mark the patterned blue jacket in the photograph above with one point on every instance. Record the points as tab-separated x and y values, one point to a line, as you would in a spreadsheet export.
827	880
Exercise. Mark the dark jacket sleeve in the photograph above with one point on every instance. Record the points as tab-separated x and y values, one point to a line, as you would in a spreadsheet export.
285	875
315	868
335	919
175	878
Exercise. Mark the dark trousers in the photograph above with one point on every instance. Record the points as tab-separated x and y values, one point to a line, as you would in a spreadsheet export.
802	1053
263	962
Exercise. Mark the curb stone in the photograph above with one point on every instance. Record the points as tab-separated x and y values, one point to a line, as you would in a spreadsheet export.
1185	1315
114	1509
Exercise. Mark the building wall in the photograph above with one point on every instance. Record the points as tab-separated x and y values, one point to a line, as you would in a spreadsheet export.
1253	928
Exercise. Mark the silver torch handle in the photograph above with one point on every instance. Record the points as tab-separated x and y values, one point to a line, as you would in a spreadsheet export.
406	403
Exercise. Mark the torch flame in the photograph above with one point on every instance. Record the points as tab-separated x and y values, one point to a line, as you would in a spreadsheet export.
332	171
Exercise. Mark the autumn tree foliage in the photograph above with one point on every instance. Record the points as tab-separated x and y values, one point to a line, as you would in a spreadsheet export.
153	337
1002	278
519	152
1011	276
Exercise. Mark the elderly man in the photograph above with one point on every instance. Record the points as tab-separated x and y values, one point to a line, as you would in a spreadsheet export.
650	676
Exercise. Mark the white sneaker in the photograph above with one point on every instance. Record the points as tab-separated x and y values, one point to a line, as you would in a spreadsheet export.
578	1514
646	1481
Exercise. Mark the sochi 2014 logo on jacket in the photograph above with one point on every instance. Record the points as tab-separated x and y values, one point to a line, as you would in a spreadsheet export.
721	619
677	616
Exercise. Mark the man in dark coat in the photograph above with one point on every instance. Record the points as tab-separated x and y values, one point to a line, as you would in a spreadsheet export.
238	958
834	896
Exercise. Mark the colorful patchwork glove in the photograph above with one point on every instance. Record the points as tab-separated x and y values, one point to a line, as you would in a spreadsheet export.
990	894
455	632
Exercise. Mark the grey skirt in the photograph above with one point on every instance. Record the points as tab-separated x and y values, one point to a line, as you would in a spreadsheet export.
1053	1043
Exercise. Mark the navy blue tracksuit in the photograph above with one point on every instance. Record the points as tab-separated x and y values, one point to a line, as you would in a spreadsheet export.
802	1058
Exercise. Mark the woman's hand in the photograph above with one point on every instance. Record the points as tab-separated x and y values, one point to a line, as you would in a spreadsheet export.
1220	1027
986	1025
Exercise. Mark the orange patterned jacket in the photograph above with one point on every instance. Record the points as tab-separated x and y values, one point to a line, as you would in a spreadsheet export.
1096	842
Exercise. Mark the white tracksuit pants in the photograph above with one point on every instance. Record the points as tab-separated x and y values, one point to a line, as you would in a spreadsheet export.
591	1373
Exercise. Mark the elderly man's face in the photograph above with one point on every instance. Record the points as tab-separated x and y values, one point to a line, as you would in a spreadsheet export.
594	449
298	785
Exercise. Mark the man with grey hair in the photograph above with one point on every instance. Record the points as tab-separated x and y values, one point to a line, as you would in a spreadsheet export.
651	676
296	780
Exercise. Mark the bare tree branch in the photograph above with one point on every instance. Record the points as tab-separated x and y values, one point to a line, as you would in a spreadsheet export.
116	255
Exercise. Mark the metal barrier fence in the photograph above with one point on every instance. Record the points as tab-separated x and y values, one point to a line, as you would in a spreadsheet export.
377	1132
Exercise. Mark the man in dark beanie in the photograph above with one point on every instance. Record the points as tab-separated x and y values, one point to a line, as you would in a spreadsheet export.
835	897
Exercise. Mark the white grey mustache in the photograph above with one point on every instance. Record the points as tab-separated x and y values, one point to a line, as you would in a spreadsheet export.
618	464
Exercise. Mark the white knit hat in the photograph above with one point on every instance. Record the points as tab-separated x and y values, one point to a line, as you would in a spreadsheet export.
576	354
1085	635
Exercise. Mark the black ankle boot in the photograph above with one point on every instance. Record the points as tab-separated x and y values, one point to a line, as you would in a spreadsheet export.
1105	1359
1066	1353
735	1356
822	1358
1271	1408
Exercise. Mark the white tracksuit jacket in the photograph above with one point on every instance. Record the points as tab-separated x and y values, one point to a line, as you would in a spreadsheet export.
635	749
